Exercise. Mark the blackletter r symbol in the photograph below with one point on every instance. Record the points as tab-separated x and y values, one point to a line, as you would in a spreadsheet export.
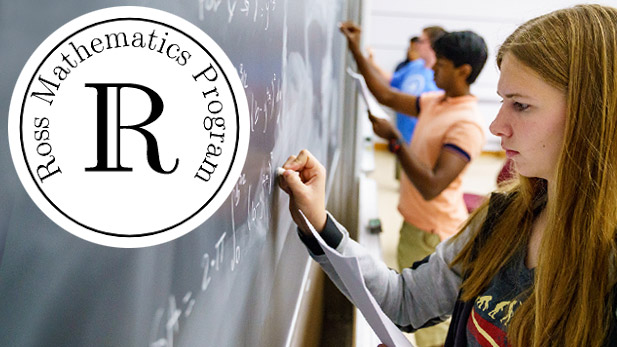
103	144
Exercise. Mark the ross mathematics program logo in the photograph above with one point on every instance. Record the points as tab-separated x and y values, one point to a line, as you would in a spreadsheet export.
129	127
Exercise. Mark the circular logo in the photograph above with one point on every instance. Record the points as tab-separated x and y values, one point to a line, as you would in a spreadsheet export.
129	127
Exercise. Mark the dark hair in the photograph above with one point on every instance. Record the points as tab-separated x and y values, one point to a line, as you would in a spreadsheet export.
463	47
414	39
434	33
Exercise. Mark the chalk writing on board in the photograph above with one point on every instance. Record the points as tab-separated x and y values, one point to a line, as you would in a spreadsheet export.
235	201
189	302
257	203
235	249
209	263
263	112
243	75
256	9
172	324
266	176
231	8
208	5
275	96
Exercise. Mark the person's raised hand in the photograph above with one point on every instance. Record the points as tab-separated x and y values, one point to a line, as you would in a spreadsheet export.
304	180
352	32
383	128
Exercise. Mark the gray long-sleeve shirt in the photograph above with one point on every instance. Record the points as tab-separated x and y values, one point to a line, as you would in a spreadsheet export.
418	296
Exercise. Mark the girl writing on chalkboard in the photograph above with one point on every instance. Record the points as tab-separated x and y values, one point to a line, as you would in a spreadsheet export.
535	265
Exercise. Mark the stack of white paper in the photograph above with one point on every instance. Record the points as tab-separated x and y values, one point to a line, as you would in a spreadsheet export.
371	103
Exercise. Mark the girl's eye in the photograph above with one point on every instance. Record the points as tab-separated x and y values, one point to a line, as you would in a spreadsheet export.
520	107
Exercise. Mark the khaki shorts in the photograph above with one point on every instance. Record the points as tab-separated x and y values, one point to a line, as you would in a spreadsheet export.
414	245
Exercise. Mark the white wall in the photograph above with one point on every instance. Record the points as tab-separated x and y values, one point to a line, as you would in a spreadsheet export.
388	25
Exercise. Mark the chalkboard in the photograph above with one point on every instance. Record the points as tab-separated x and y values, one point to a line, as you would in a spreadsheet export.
235	280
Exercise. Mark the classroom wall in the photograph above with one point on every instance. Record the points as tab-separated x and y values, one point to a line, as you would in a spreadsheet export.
388	25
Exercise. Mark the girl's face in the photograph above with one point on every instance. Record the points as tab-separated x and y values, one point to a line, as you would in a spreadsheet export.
531	119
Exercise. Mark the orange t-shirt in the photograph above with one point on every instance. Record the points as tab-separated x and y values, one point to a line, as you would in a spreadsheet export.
450	121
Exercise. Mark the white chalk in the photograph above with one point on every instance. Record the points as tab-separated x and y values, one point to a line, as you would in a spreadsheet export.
279	171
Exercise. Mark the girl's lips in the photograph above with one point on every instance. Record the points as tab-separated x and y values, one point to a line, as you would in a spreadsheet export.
510	153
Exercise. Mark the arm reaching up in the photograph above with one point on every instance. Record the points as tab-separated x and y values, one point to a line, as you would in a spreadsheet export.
386	95
385	75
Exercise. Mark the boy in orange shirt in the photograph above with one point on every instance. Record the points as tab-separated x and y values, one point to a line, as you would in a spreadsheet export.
447	137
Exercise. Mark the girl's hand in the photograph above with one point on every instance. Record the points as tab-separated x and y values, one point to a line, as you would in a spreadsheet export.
304	180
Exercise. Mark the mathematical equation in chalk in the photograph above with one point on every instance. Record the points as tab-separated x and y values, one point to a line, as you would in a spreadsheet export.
255	9
176	313
250	209
255	208
262	112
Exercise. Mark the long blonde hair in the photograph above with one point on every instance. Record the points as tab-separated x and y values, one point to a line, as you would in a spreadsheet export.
574	50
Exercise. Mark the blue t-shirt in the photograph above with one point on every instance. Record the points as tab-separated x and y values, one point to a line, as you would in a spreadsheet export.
413	78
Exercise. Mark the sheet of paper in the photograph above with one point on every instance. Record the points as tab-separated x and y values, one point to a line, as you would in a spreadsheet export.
372	104
348	269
